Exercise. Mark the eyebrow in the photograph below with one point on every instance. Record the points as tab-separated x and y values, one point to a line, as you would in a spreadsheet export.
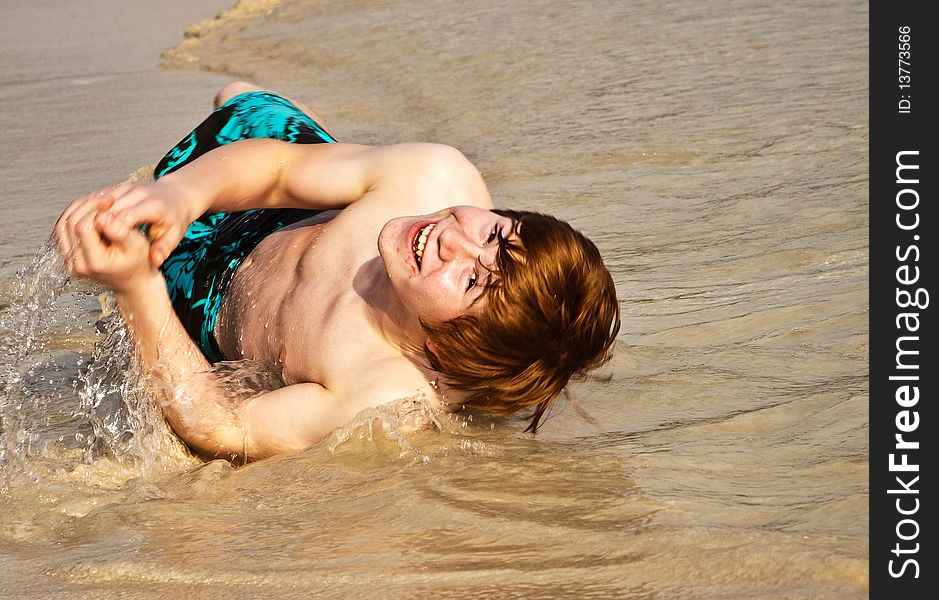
504	241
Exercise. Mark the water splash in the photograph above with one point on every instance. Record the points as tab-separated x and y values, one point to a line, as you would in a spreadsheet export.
60	408
25	325
247	378
115	399
395	422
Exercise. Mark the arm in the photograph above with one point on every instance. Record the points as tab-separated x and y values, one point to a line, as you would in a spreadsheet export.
263	173
200	410
194	403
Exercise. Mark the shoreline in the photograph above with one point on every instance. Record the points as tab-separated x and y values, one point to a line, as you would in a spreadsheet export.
86	103
182	57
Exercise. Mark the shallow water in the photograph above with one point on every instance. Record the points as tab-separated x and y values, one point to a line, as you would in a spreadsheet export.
717	154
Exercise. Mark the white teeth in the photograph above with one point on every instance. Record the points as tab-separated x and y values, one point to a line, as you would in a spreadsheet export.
421	241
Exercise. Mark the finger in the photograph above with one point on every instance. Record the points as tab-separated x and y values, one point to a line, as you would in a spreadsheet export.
140	207
120	218
126	240
132	196
70	210
118	190
75	265
136	243
92	248
75	261
79	209
112	226
61	238
65	244
93	206
112	193
94	197
164	245
163	234
65	235
69	234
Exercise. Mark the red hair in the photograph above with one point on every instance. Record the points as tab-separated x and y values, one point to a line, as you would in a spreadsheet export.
551	314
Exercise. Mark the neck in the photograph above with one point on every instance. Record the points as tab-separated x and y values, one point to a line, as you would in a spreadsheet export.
385	311
401	329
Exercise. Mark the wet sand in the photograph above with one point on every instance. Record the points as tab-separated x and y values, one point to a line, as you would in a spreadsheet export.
85	103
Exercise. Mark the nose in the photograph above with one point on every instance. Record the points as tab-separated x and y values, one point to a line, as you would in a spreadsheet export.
454	245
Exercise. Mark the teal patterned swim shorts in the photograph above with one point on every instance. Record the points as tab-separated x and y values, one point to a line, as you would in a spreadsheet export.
199	271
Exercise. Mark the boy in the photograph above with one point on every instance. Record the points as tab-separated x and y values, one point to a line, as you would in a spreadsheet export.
279	245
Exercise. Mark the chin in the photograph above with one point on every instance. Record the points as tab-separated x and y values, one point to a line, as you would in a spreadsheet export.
390	253
386	237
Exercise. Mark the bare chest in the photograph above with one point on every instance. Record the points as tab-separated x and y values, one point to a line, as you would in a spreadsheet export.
292	303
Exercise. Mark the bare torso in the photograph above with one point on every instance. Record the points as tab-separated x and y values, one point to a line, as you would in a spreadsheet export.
296	302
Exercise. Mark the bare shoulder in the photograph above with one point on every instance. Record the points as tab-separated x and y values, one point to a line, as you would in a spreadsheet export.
440	171
399	390
441	159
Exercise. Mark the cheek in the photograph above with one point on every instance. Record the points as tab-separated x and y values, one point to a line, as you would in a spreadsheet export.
435	300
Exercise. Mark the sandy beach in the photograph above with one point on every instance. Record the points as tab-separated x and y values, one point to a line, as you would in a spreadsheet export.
84	102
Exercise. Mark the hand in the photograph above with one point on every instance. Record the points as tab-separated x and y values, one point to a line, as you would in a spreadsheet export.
109	253
164	206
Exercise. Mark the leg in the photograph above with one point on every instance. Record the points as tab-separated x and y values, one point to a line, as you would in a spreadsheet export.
237	88
234	89
249	112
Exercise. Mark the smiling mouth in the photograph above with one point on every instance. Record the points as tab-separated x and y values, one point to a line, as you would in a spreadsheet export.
420	240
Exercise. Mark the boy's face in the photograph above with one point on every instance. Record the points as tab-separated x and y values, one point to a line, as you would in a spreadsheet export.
440	264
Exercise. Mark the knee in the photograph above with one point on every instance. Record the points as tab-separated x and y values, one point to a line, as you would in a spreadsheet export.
233	89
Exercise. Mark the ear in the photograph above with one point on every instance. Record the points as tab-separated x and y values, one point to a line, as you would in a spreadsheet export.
432	354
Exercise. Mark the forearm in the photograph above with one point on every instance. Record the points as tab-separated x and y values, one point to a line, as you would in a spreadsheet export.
263	173
236	176
193	402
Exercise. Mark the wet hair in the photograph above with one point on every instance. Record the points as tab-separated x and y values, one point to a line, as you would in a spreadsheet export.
551	314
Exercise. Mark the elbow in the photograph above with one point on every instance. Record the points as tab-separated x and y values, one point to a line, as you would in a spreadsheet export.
235	444
210	443
208	436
